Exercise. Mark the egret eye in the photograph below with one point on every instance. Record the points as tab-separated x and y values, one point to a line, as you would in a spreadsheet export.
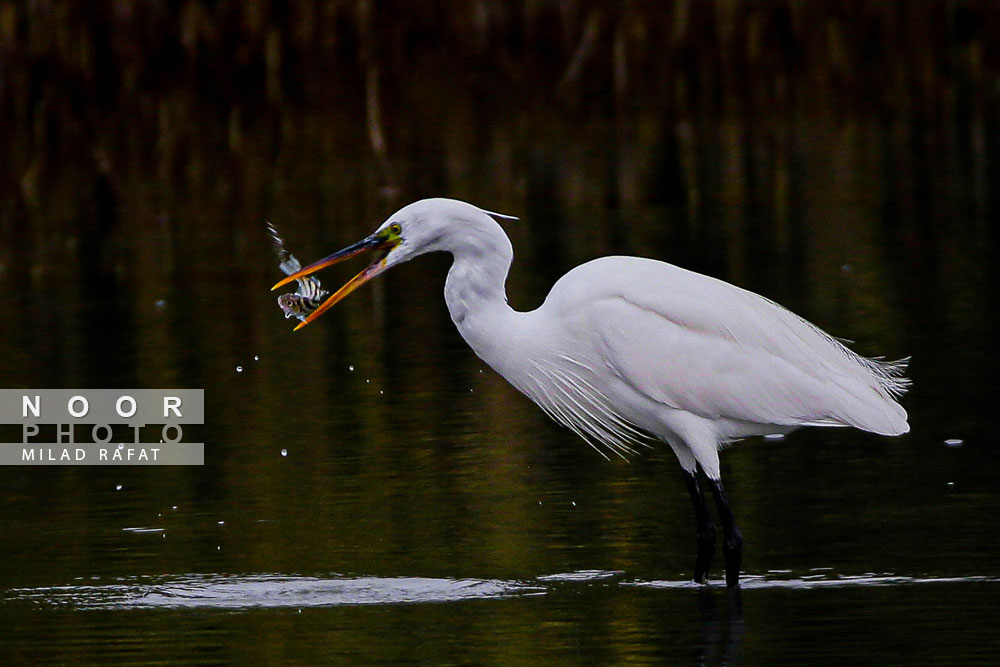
395	228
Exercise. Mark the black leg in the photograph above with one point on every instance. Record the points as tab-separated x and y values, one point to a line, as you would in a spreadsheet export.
732	545
706	529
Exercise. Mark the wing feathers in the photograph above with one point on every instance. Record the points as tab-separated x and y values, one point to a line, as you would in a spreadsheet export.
703	346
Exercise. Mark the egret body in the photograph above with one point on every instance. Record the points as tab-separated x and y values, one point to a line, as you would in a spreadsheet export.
626	351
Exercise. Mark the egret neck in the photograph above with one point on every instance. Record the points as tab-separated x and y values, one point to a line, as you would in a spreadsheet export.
475	294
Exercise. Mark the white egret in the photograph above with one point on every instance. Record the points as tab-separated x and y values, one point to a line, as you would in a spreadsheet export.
625	351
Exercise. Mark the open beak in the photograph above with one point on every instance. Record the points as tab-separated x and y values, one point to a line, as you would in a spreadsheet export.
373	242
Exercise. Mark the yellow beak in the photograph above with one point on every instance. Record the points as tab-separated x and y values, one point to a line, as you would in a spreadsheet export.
373	242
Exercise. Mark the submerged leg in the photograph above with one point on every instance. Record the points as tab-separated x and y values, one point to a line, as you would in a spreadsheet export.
732	545
706	529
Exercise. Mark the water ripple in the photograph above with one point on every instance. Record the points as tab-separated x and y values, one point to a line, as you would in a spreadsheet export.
234	592
580	575
820	580
266	590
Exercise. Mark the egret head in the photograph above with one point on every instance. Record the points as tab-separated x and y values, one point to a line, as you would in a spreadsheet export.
421	227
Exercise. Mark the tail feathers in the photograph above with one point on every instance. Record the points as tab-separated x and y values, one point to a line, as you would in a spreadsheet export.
886	419
891	375
872	406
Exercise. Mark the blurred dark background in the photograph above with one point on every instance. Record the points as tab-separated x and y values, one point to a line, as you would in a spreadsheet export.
116	116
838	156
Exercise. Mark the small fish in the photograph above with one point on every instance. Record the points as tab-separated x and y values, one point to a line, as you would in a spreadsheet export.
310	293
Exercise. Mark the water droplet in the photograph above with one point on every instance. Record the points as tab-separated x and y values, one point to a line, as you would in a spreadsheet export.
218	548
256	357
160	304
951	483
574	503
121	445
954	442
367	381
118	488
350	368
470	391
239	369
381	393
284	452
174	507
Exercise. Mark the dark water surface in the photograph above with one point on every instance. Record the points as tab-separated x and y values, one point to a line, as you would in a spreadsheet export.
372	492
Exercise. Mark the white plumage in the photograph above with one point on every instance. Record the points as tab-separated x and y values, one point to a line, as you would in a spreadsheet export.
623	345
625	351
